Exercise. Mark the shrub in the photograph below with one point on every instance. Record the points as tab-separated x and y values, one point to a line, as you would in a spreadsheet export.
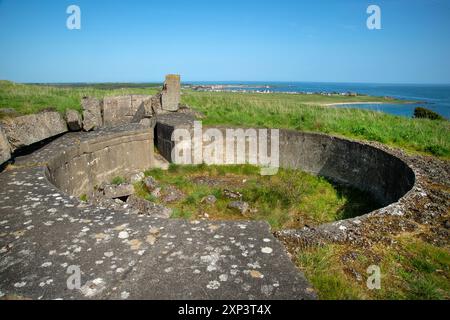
420	112
436	150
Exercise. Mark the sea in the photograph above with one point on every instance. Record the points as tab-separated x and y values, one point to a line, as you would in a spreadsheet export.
433	97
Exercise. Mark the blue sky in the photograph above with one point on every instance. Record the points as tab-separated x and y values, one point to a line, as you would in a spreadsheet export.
259	40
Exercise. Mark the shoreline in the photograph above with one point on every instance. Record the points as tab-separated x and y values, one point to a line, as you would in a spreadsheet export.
369	102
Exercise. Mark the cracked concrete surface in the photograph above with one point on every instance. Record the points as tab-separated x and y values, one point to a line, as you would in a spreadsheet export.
44	231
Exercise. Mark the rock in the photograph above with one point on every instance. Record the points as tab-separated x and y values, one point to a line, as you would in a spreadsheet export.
232	194
447	224
25	130
210	199
150	183
92	113
171	93
73	119
137	177
118	201
156	192
172	194
5	149
118	191
240	206
149	208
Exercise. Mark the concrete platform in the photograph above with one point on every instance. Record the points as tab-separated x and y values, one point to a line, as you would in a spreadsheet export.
44	231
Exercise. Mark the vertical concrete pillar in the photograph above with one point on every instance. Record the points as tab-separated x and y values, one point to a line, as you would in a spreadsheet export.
171	93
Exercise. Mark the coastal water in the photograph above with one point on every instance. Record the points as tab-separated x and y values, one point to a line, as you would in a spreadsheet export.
433	97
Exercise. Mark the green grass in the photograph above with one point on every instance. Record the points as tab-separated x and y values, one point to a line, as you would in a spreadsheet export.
413	269
26	99
117	180
289	199
297	112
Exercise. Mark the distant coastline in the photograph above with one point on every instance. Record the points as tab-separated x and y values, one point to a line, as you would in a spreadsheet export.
397	99
369	102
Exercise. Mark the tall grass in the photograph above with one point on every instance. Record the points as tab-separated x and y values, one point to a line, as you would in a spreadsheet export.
26	99
293	112
412	269
299	112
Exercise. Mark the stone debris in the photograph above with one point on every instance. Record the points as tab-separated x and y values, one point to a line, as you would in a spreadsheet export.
73	119
210	199
137	177
232	194
156	192
25	130
240	206
112	191
150	183
172	194
92	114
149	208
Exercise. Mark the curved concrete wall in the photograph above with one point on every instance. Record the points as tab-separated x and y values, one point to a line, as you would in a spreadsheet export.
99	158
355	164
385	177
78	169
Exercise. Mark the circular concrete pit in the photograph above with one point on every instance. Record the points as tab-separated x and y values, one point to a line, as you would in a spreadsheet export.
45	229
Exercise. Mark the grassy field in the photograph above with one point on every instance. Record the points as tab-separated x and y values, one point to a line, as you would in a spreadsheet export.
289	199
27	99
411	269
297	112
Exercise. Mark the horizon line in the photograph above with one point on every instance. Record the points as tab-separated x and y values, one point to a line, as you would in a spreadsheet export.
236	82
